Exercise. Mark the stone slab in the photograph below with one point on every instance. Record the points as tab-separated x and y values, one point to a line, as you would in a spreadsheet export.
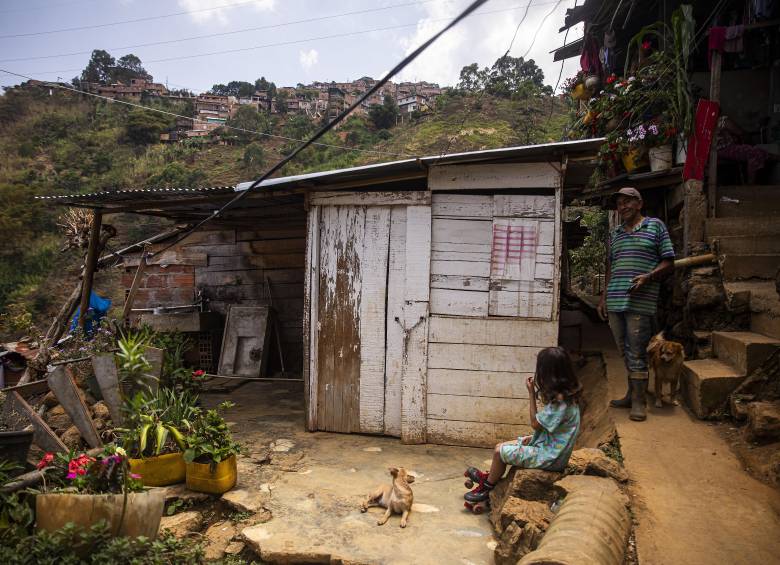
706	385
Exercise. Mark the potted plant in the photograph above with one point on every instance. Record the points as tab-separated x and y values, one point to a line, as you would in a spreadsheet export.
155	435
84	490
211	453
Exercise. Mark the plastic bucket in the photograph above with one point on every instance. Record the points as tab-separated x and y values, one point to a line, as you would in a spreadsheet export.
15	445
161	470
661	157
200	477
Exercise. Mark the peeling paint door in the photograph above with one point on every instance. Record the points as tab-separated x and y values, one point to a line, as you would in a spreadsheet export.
350	343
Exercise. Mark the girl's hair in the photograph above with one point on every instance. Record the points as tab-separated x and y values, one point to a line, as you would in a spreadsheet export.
555	377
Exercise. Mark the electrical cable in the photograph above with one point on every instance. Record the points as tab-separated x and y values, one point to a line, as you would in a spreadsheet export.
223	33
307	40
175	115
123	22
330	125
538	29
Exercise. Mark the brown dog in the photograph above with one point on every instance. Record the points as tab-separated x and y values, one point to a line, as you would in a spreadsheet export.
666	358
396	498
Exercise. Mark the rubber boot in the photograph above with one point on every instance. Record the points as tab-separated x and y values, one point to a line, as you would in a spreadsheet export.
638	390
624	402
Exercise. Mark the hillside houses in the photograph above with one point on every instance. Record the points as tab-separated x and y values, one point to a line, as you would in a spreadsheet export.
137	89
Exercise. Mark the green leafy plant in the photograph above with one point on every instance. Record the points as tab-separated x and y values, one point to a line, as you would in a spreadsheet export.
153	419
16	515
133	366
72	545
210	440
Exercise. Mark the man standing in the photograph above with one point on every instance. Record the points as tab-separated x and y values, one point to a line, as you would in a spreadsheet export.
639	255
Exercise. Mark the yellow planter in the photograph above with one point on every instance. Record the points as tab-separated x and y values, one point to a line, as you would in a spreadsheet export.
201	479
160	471
634	159
580	92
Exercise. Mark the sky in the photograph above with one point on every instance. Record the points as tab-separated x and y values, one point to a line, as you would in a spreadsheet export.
194	44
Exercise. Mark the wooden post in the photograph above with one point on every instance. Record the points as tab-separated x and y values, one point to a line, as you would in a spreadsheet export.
134	287
712	174
89	268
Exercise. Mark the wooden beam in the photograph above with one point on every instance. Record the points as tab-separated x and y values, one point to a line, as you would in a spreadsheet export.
712	174
66	391
43	436
494	176
108	380
139	273
394	198
89	268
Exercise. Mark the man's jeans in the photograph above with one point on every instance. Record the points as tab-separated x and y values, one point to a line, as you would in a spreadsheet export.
632	333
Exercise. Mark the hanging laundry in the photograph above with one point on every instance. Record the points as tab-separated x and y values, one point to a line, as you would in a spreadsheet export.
733	42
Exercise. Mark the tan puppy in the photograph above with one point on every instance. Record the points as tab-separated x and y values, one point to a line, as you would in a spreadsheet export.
666	359
396	497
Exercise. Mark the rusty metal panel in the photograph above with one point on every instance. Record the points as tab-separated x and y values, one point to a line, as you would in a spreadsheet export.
245	344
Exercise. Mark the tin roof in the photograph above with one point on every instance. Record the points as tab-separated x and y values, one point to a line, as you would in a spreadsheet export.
191	203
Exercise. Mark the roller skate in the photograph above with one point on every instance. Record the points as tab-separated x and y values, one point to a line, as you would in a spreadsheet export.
477	500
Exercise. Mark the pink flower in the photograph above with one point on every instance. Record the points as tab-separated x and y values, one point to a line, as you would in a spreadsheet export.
135	476
45	461
70	475
646	45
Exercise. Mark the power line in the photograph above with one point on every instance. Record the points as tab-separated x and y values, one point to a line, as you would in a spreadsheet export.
536	34
307	40
225	33
47	6
330	125
123	22
173	114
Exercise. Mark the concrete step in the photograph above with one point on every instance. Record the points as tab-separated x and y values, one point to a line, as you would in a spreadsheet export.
751	200
748	245
745	351
706	385
760	266
765	323
722	227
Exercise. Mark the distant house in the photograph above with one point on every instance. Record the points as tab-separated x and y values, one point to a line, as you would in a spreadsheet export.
410	104
119	91
149	87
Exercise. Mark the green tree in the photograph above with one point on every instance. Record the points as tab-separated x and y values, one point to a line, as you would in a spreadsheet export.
144	127
472	79
280	102
384	115
129	67
238	88
254	157
176	175
99	67
248	118
262	84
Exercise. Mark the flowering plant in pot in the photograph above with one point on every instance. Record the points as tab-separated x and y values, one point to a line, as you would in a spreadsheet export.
657	138
154	436
84	489
211	453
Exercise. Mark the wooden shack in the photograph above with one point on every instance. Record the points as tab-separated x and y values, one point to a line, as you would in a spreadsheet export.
413	296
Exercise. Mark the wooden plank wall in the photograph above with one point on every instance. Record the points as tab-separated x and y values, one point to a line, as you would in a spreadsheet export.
492	306
230	267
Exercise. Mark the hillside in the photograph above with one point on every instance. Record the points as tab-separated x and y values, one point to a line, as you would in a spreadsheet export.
58	142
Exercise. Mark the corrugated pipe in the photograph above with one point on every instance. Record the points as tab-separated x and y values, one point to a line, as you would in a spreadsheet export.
591	527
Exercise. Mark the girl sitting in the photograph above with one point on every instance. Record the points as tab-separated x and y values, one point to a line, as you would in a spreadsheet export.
555	427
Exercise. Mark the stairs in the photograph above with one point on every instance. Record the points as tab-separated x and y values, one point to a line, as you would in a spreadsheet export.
746	237
707	383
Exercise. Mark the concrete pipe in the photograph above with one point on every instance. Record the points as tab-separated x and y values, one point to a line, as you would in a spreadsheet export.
591	527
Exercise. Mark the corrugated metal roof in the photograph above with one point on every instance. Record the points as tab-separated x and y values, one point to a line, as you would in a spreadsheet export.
365	172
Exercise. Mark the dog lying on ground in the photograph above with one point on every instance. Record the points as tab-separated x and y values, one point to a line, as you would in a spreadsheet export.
665	358
396	497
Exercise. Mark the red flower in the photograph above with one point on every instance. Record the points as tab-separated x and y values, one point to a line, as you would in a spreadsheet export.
45	461
646	45
611	78
199	373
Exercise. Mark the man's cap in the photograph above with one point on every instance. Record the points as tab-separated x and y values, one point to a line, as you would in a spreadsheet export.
627	191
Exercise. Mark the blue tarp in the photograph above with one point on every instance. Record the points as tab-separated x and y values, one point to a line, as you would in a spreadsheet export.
98	307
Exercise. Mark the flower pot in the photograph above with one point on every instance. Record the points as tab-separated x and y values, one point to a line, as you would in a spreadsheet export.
634	159
15	445
681	150
161	470
588	117
661	157
580	92
200	477
141	517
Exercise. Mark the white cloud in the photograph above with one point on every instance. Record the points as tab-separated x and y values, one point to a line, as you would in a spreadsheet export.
308	58
484	38
209	11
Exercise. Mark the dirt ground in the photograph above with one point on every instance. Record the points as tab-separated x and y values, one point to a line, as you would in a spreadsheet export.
316	482
692	500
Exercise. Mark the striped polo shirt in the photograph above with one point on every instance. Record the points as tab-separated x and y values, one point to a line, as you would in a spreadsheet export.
635	253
